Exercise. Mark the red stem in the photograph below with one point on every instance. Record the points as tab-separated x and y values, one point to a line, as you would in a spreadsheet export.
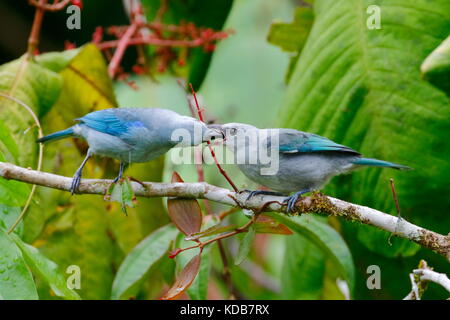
222	171
121	47
56	6
33	40
152	41
201	245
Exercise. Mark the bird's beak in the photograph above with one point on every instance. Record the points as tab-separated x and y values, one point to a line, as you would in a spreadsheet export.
218	128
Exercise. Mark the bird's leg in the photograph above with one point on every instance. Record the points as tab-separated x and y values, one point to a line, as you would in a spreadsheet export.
292	200
121	170
263	192
77	176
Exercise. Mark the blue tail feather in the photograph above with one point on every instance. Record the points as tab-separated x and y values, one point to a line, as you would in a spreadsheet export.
379	163
56	136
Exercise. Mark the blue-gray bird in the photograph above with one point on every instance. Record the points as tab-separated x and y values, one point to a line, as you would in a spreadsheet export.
133	135
306	162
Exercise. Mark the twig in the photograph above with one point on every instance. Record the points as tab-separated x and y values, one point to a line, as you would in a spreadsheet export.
419	278
430	275
316	203
397	206
394	194
42	5
121	47
33	39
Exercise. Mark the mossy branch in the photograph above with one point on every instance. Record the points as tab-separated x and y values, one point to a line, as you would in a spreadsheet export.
317	203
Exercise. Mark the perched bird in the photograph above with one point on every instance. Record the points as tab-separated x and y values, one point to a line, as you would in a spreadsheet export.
133	135
303	161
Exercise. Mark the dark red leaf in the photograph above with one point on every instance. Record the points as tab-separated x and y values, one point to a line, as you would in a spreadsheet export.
176	177
184	279
184	213
265	224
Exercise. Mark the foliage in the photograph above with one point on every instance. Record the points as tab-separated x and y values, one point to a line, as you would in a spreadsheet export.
382	91
363	87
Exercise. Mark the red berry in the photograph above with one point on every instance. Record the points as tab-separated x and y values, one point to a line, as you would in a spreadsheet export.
77	3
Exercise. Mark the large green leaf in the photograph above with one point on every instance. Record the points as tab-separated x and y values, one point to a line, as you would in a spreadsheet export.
291	37
140	260
362	87
45	269
325	238
16	281
303	270
85	87
245	245
38	88
85	241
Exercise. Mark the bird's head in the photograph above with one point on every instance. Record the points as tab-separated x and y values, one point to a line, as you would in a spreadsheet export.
235	134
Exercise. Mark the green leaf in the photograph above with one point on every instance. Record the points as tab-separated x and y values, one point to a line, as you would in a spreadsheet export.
86	87
38	88
122	192
436	67
8	147
199	288
140	260
46	269
363	88
57	61
245	245
215	229
292	36
85	241
9	215
302	275
16	281
324	237
13	193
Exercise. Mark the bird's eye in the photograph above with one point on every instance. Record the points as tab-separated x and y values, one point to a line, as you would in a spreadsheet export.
233	131
213	138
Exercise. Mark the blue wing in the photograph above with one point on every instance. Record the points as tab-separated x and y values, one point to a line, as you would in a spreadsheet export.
111	121
293	141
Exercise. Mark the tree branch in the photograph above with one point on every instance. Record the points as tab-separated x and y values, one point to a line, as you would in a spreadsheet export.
317	203
419	278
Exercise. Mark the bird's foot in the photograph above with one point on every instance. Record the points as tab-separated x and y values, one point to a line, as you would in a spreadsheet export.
261	192
292	200
75	183
116	179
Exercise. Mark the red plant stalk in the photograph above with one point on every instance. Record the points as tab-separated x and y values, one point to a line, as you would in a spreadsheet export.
222	171
122	45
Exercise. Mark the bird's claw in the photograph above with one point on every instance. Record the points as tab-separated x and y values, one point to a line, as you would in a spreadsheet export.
116	179
261	192
75	184
292	200
251	194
